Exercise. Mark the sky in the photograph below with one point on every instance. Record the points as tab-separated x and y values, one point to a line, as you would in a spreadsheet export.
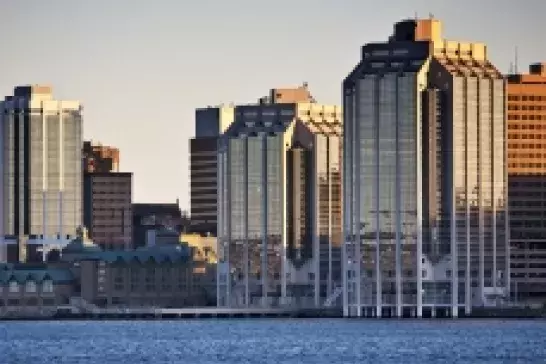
141	67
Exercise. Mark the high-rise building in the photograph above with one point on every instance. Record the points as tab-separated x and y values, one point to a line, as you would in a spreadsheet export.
210	123
425	179
100	158
107	198
527	182
41	172
107	211
279	202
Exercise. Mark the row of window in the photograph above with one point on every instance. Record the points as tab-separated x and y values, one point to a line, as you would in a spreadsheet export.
527	126
526	117
526	98
29	287
526	155
526	145
526	165
526	107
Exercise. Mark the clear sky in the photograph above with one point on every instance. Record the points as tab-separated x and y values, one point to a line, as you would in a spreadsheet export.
141	67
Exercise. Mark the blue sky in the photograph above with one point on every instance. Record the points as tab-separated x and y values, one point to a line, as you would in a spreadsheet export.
142	67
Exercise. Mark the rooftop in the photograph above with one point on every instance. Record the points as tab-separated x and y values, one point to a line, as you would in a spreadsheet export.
56	275
158	254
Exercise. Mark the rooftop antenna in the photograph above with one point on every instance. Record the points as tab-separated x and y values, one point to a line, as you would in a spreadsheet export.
416	16
516	60
511	70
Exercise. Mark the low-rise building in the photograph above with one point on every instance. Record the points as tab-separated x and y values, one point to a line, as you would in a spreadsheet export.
164	275
26	289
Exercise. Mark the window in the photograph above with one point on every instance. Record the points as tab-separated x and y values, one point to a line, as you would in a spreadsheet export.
47	286
424	273
13	287
30	287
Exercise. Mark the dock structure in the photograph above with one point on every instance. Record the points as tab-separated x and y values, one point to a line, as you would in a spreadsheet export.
189	312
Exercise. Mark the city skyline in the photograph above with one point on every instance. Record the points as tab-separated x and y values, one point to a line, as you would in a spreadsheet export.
108	67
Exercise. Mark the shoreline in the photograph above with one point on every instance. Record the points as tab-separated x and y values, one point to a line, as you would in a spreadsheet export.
66	316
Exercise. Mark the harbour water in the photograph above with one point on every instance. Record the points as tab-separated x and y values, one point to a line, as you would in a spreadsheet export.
274	341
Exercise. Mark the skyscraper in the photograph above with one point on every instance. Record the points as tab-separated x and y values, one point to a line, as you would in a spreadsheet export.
425	178
107	198
527	182
279	202
210	123
41	172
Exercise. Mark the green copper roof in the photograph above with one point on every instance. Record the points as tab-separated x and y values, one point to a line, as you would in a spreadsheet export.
157	254
58	276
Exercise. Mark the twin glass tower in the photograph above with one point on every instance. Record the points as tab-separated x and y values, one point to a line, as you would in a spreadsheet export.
424	196
425	182
279	203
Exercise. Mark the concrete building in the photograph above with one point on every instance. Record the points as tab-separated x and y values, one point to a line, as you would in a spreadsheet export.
279	202
32	290
425	213
158	276
108	209
527	182
156	216
210	123
42	172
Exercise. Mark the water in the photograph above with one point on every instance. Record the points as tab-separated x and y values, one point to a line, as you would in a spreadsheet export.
273	342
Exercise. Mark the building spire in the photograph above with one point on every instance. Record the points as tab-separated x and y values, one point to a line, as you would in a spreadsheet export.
516	60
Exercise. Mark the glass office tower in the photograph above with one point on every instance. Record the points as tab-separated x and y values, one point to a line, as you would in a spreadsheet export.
279	197
41	146
425	180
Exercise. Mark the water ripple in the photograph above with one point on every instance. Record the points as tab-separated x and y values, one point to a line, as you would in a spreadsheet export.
273	342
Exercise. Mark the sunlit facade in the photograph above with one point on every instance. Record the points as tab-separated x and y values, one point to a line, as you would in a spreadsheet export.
527	183
279	197
425	179
41	153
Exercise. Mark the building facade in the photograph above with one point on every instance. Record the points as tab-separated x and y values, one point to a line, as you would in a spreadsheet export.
279	193
425	178
156	216
527	182
156	276
108	209
42	172
33	291
210	123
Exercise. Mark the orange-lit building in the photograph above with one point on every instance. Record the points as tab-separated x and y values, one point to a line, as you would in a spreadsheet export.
107	197
527	182
100	158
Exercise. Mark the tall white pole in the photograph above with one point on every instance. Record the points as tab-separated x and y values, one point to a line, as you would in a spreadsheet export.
61	170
